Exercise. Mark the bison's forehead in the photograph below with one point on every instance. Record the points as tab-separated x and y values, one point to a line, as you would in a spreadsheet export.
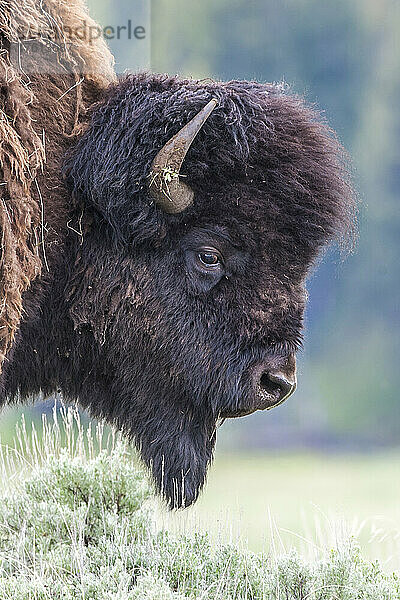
264	164
287	187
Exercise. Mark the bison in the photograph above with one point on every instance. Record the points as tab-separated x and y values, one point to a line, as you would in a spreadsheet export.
157	233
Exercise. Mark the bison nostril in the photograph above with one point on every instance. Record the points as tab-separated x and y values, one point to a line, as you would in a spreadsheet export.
277	385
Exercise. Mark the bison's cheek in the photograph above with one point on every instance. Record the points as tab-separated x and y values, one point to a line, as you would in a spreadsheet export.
178	452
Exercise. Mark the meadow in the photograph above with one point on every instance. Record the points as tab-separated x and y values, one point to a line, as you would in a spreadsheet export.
306	500
78	519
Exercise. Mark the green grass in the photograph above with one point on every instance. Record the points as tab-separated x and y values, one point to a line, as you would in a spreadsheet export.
303	500
78	520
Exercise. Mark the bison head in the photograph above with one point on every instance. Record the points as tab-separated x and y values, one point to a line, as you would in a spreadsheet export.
187	259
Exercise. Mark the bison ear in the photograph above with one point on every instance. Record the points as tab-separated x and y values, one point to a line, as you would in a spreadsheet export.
107	178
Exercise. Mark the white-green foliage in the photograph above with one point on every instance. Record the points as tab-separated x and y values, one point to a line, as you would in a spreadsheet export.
76	523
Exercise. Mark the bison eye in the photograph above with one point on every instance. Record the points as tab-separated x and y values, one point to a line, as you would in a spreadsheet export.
205	267
209	258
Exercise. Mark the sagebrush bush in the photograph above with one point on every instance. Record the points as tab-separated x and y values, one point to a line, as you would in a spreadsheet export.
76	522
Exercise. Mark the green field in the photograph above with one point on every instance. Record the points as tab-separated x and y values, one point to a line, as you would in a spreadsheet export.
306	500
277	500
77	521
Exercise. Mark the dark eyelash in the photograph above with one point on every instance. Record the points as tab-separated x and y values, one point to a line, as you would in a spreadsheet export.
288	347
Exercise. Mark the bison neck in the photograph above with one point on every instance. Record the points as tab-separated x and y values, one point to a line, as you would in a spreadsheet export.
42	354
40	357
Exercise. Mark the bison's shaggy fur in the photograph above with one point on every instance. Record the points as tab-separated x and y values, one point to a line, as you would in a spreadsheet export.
124	318
21	154
35	121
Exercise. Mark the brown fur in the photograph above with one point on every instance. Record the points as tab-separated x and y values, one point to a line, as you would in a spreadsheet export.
41	112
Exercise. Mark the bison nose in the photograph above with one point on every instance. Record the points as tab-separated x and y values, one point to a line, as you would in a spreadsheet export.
277	386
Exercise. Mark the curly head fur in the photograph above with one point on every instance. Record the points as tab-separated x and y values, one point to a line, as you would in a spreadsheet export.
257	136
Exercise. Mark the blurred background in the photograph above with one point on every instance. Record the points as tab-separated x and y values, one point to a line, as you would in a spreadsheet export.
333	445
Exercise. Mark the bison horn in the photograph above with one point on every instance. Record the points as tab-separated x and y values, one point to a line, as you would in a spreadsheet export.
171	194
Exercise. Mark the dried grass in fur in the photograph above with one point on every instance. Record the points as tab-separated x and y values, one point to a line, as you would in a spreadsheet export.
22	153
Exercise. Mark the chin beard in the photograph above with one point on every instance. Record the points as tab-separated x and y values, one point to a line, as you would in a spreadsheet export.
178	447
